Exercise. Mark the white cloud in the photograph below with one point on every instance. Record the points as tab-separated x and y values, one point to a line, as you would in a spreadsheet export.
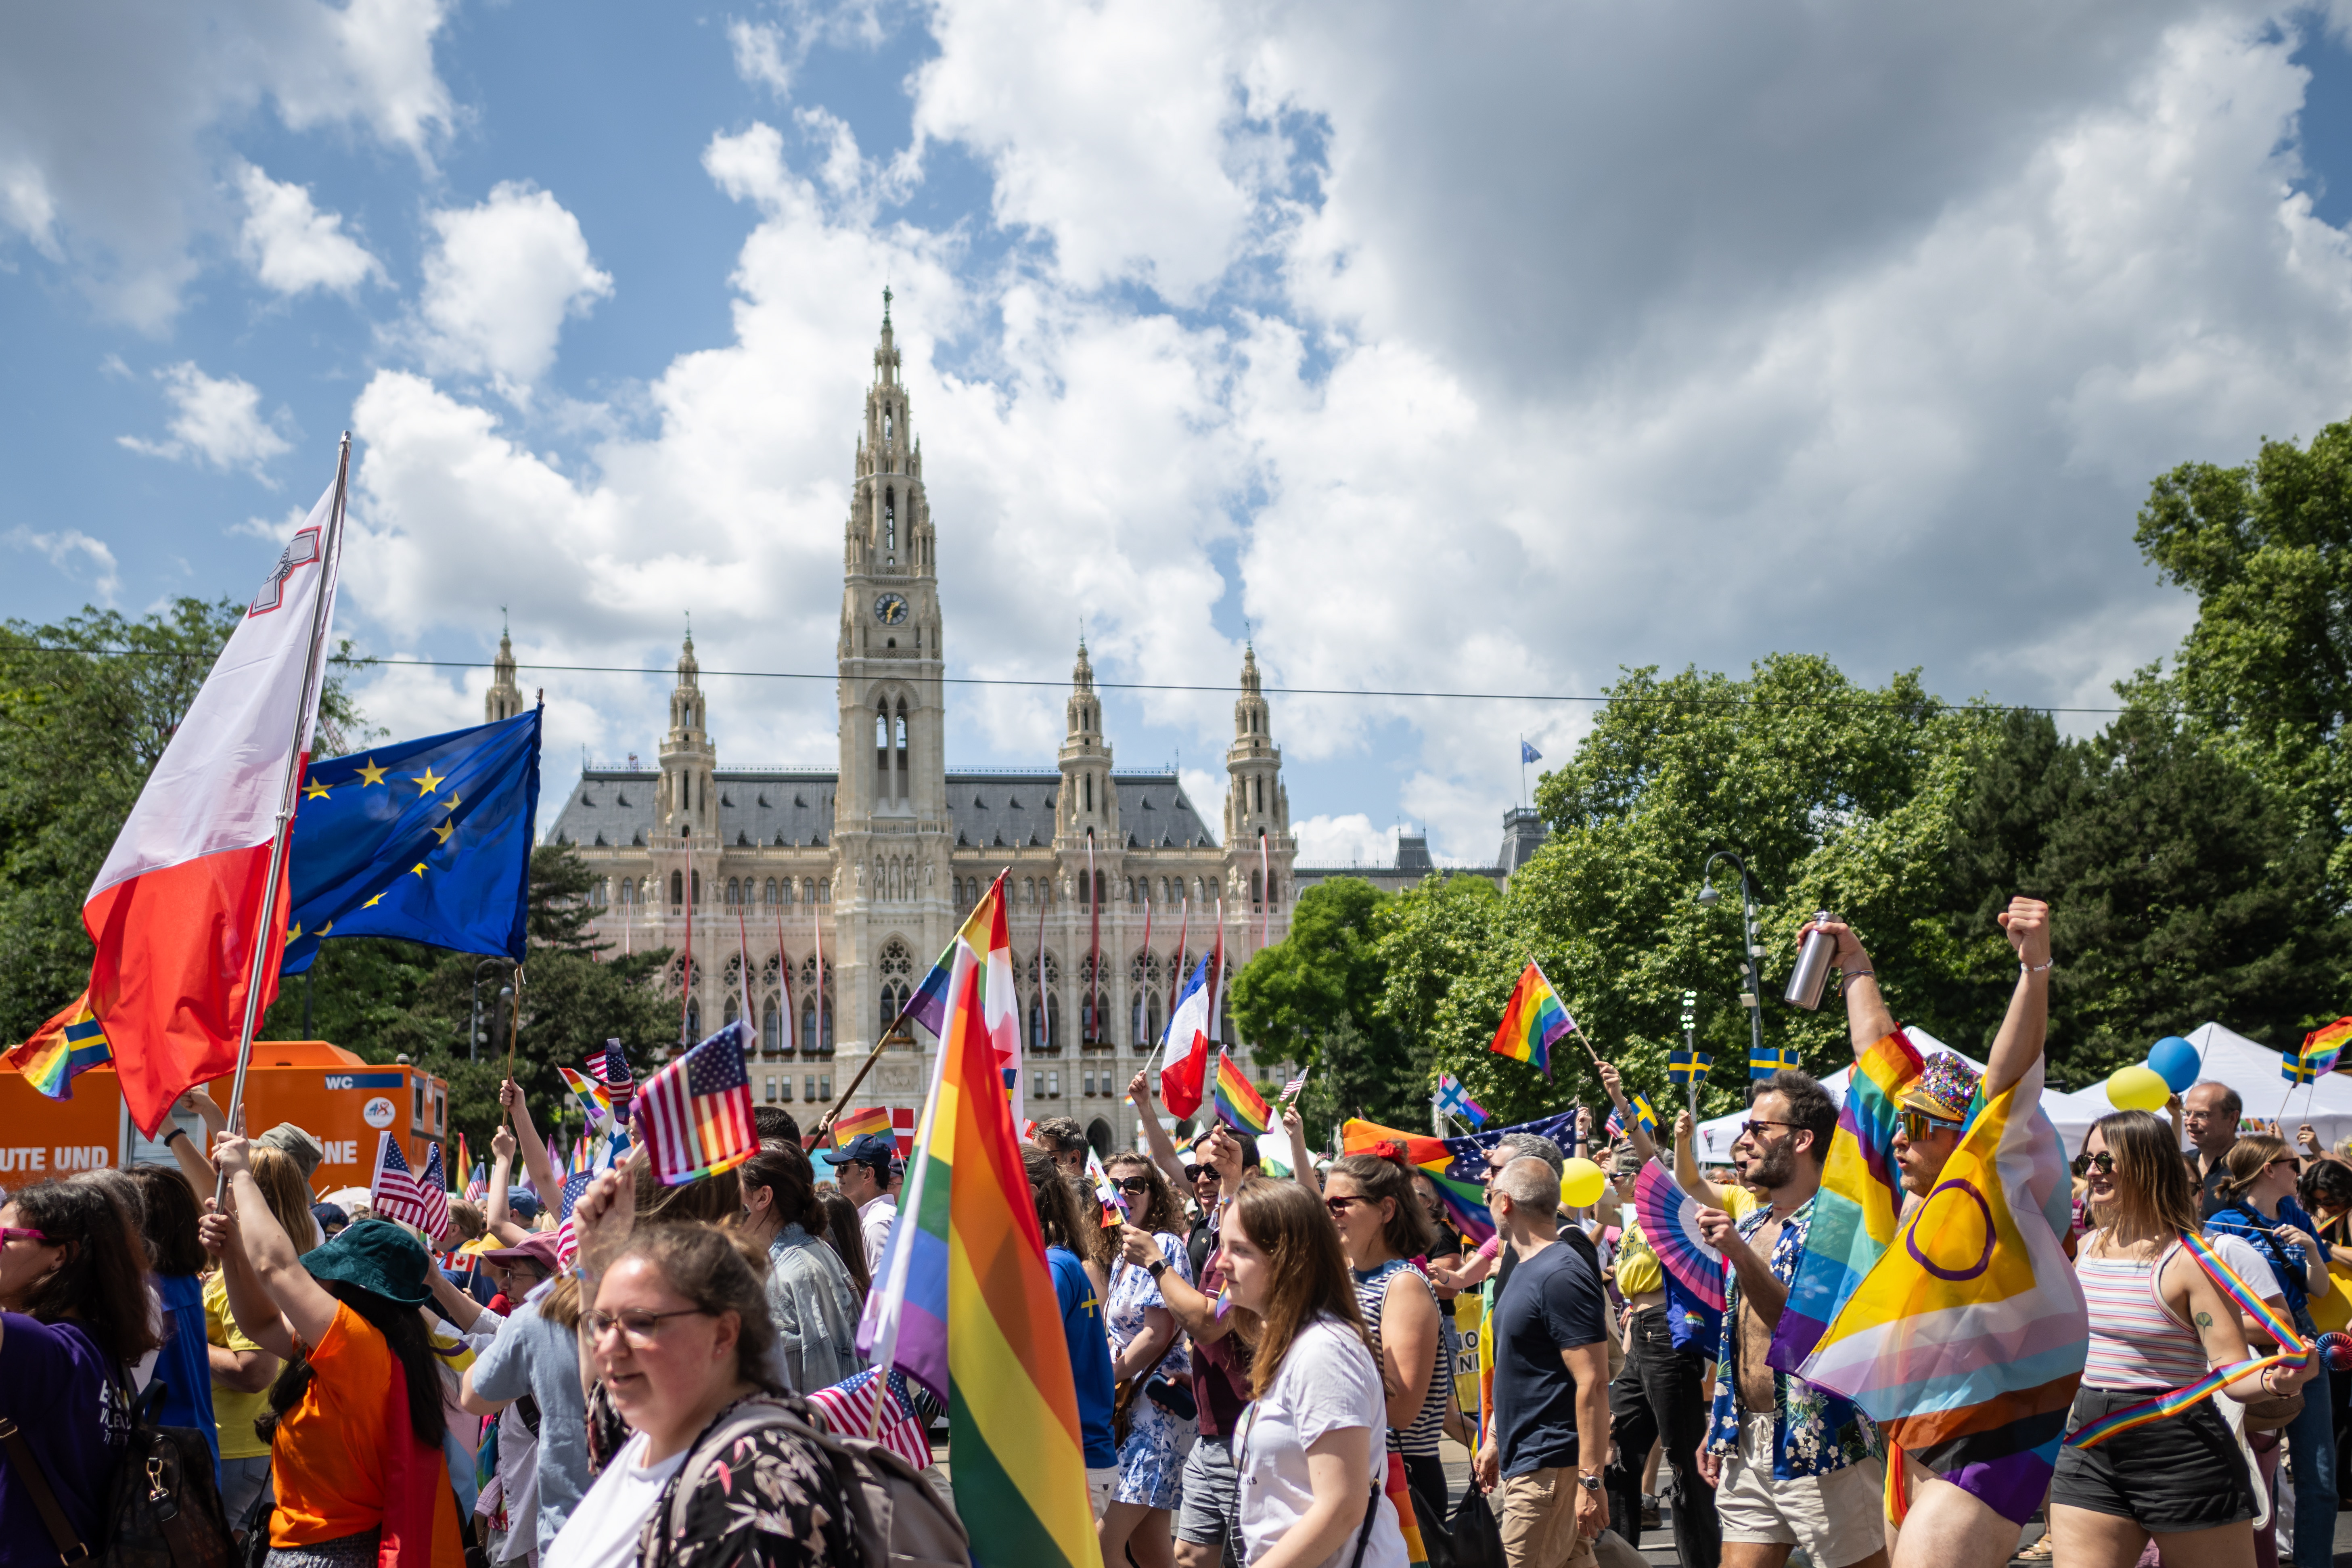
291	246
1350	840
500	282
760	50
68	548
216	422
109	156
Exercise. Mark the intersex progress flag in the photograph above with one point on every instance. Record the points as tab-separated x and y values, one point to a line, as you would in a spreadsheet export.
1020	1471
1967	1341
176	909
1455	1166
1534	1018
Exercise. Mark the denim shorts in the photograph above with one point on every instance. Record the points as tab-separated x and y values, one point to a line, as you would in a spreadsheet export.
1210	1512
2184	1472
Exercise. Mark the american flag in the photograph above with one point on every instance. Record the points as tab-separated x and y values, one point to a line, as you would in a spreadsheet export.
695	1115
398	1192
567	1243
610	1068
865	1405
1290	1090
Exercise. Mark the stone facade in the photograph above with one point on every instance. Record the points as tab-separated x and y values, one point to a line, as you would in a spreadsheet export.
878	860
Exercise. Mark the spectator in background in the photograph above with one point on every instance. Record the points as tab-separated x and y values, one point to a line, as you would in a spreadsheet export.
1547	1445
330	1218
1150	1364
810	1299
242	1370
1061	1137
862	1166
177	1257
73	1321
845	1237
519	1271
1382	1228
534	1364
774	1123
1059	1218
2213	1109
297	1145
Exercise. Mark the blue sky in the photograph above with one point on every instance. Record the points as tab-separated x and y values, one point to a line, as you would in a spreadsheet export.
1489	351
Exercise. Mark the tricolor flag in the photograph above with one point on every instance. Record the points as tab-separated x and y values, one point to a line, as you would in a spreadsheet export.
1534	1018
695	1115
1194	1023
176	911
68	1044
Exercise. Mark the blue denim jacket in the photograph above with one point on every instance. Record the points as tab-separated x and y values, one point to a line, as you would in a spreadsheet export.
1814	1430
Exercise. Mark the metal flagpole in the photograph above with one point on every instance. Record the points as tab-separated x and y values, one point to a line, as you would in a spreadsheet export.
331	561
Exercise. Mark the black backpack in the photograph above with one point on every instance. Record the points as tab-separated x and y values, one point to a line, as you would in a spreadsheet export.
163	1510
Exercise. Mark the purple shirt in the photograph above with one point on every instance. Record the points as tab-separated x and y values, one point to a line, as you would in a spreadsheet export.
57	1386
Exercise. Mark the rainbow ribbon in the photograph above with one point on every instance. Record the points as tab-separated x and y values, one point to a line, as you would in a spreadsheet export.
2294	1351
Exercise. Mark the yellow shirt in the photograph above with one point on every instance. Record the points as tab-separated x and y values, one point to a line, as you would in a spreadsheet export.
234	1412
1638	1273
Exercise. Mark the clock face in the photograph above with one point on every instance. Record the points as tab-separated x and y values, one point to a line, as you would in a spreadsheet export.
890	609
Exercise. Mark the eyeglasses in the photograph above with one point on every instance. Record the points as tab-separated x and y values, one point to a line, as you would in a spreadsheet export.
9	1233
641	1327
1194	1173
1340	1204
2102	1161
1134	1185
2286	1160
1919	1126
1747	1128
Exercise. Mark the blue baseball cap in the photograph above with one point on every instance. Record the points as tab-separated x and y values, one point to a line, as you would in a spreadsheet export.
523	1203
876	1149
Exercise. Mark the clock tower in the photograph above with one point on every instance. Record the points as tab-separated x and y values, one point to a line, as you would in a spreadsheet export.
892	826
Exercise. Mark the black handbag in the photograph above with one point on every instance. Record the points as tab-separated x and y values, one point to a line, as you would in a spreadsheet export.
1472	1533
163	1510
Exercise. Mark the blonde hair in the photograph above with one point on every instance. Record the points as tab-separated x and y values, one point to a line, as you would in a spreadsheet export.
2153	1192
287	1194
2243	1165
1308	1274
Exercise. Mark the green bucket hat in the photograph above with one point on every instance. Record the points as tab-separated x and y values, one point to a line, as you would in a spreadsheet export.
378	1256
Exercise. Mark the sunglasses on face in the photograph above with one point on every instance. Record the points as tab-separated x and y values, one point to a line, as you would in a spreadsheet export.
9	1233
1919	1126
2102	1161
1747	1128
1194	1173
1134	1185
1340	1205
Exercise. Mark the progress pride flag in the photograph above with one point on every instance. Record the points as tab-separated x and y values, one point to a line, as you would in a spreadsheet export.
174	910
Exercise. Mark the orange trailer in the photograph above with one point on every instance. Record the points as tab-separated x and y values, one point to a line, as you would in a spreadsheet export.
337	1097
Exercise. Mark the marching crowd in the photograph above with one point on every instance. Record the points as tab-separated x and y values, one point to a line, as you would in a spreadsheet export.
1265	1366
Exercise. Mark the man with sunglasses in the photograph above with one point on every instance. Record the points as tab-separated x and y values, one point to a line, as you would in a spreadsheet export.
1946	1522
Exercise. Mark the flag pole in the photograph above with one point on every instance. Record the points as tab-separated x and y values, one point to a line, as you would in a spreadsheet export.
329	562
1573	1027
905	1010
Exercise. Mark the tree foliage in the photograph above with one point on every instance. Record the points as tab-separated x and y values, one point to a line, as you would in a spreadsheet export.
1314	998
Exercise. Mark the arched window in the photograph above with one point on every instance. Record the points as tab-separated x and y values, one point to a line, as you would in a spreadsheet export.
768	1039
1086	782
882	750
693	1019
677	888
890	523
1259	782
1052	1022
1135	1027
697	887
734	892
1152	1018
1036	1024
731	1010
628	890
1257	888
899	763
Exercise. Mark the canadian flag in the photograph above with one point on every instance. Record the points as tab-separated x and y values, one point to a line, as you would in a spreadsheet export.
177	911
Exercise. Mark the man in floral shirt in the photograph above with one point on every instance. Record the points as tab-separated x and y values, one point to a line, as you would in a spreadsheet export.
1792	1464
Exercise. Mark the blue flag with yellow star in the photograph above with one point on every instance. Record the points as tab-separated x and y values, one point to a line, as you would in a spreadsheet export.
426	840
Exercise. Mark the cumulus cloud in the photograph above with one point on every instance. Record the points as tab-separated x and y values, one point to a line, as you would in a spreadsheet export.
70	550
1348	840
215	421
500	282
109	156
291	246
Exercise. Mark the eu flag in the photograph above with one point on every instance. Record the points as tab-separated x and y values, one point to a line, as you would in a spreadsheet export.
426	840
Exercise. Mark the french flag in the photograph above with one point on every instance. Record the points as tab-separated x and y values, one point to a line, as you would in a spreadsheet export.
176	911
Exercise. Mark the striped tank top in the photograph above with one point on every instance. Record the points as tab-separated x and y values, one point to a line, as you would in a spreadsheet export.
2137	1343
1371	1293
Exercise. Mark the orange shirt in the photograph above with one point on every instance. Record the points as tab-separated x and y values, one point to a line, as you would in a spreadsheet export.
328	1461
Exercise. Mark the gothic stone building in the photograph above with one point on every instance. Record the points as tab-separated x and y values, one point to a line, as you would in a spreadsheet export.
878	860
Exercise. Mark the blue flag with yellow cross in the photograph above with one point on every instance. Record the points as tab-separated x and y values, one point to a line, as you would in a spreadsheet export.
426	840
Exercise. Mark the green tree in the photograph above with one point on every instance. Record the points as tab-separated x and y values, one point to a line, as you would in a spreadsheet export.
1316	998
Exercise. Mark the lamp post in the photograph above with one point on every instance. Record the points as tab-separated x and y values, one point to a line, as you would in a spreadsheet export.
474	1039
1751	976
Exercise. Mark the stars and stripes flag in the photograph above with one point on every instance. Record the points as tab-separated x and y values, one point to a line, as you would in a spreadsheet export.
610	1067
397	1191
866	1404
695	1115
1291	1091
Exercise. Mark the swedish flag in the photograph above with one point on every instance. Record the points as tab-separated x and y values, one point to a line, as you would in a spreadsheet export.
426	840
2295	1068
1764	1061
1684	1065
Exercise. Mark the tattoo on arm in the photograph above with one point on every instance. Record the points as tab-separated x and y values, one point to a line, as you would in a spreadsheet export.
2204	1320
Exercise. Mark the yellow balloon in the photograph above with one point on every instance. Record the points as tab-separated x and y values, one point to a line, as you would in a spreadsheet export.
1580	1183
2138	1087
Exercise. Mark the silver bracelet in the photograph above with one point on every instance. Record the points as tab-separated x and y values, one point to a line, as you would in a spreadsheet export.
2025	968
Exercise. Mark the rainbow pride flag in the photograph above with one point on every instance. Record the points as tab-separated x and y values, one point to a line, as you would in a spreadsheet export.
594	1098
1239	1104
1455	1166
1861	1199
857	1124
1534	1018
992	1322
2324	1045
68	1044
1965	1341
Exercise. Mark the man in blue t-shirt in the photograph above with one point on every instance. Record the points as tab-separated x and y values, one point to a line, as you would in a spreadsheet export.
1548	1441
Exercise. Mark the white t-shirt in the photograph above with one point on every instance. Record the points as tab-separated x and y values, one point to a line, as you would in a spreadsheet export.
2252	1267
875	1217
1329	1381
603	1530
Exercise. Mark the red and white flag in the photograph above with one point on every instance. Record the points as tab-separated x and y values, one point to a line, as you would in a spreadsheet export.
395	1192
176	911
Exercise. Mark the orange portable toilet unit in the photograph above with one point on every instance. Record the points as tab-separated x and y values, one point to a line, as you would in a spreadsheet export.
341	1101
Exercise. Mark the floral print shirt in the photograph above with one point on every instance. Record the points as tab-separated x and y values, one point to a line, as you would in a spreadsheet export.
1814	1430
772	1501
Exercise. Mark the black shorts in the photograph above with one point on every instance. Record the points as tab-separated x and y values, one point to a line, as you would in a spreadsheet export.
2184	1472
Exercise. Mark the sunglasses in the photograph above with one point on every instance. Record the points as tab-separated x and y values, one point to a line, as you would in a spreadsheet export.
1339	1204
9	1233
1919	1126
1747	1128
1134	1185
1194	1173
2102	1161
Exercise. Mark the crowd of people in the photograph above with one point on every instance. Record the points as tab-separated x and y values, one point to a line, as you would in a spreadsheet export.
1266	1365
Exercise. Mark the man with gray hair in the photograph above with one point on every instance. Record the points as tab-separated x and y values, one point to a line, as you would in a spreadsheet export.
1548	1441
2212	1122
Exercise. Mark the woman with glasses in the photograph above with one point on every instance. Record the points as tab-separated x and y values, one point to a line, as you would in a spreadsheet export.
1382	1228
1150	1364
2157	1323
681	1337
2257	1189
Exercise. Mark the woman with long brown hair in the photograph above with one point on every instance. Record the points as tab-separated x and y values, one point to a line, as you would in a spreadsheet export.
810	1297
1382	1227
1059	1219
1150	1364
1309	1452
2157	1323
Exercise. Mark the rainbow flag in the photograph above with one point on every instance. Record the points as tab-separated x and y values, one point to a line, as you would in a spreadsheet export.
1239	1104
1457	1166
966	1305
68	1044
594	1099
873	1119
2325	1043
982	940
1861	1199
1966	1341
1534	1018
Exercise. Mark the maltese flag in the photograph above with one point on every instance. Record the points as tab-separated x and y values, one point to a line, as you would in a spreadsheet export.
176	911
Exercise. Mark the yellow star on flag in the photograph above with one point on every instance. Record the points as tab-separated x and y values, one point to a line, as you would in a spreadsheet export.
418	869
373	902
446	829
313	790
425	782
325	929
296	935
454	803
370	773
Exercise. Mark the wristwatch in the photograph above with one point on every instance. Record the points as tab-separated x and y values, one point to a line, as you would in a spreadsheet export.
1590	1483
1156	1266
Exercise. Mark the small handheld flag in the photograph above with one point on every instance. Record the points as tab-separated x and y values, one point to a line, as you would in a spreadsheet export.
1765	1060
610	1067
1239	1104
2295	1067
695	1115
1454	1101
1644	1116
397	1191
1684	1065
591	1094
1534	1018
68	1044
870	1119
2325	1043
1291	1090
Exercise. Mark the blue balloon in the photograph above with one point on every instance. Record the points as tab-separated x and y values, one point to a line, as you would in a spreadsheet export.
2176	1061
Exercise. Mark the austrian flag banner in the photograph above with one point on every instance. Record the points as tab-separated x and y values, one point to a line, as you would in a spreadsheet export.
176	911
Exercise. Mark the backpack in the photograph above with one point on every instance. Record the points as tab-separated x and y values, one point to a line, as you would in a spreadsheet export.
163	1508
900	1519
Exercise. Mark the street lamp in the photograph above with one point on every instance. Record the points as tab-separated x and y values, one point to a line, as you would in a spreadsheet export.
475	1038
1751	976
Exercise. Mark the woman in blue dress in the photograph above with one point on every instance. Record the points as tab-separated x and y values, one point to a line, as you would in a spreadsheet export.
1164	1421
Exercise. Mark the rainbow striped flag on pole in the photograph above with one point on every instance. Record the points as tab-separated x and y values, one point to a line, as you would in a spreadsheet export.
2324	1045
966	1304
1239	1104
872	1118
1536	1018
68	1044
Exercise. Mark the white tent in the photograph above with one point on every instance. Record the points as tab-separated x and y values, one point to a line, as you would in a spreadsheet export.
2252	1070
1716	1137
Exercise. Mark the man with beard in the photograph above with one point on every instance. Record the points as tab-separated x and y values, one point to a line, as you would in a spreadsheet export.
1791	1465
